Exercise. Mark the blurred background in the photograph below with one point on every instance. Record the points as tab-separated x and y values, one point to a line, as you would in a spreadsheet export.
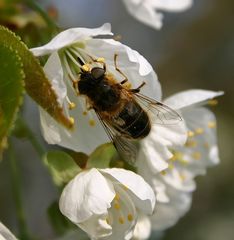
194	49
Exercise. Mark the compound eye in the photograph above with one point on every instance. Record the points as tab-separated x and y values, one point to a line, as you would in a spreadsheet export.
97	72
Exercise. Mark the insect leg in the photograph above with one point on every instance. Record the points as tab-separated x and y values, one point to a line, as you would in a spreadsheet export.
137	90
118	70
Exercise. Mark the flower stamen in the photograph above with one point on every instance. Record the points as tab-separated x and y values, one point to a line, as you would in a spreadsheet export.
163	172
130	217
121	220
72	120
71	105
68	69
92	122
191	143
199	131
190	134
73	59
211	125
86	67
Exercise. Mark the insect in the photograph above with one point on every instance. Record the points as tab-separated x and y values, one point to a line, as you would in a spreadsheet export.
124	113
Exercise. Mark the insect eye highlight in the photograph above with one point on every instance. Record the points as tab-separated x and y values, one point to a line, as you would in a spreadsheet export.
97	72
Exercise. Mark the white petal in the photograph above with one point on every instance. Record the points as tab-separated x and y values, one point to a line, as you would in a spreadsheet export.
119	219
200	118
168	135
143	228
167	214
171	5
82	198
83	137
71	36
96	227
154	148
154	154
190	98
140	191
150	176
5	234
54	72
144	12
180	178
130	62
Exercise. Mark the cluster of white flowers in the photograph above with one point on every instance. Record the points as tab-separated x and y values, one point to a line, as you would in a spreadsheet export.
174	186
111	203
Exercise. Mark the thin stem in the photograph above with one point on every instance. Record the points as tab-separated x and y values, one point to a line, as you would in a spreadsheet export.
33	5
17	195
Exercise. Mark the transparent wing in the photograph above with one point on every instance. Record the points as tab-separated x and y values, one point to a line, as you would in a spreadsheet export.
163	114
126	148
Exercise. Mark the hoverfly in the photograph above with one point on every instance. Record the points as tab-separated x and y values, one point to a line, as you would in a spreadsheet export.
124	113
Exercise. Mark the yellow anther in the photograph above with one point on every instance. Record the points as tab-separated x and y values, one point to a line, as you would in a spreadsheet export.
170	166
130	217
199	131
184	162
177	156
191	143
101	60
211	124
91	122
213	102
163	172
107	221
72	120
121	220
85	113
182	177
196	155
117	197
173	158
71	105
117	206
86	67
190	134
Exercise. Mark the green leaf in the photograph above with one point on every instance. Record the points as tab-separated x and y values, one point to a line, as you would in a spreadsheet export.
11	91
36	83
59	223
61	166
102	156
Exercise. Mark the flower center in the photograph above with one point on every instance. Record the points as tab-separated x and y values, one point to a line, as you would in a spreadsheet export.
73	59
122	214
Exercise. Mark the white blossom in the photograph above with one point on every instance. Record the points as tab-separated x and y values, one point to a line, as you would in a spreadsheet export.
149	11
174	186
5	234
88	132
105	203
